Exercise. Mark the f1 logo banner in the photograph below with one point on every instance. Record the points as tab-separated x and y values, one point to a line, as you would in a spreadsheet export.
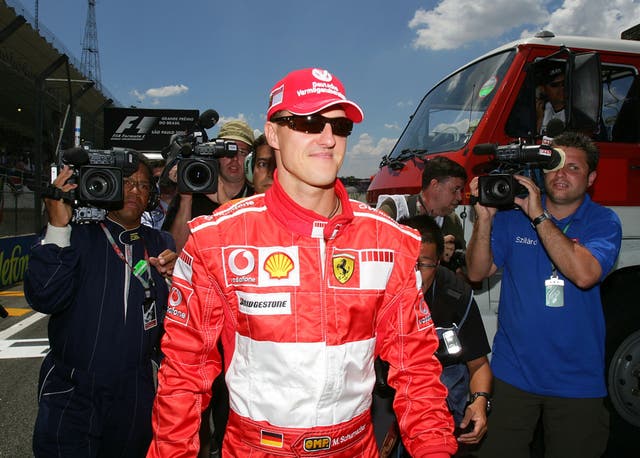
144	129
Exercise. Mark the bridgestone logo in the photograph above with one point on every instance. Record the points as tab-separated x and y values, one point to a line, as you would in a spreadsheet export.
264	304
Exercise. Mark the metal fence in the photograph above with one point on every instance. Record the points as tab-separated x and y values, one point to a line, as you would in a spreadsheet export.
17	213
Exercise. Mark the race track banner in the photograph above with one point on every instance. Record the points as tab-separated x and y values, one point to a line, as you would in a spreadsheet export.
14	256
144	129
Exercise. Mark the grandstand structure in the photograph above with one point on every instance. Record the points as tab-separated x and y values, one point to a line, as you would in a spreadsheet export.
42	84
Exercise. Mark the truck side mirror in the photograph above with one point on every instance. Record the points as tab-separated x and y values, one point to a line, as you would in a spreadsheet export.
584	92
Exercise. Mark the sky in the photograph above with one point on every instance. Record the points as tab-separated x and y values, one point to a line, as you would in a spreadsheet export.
227	55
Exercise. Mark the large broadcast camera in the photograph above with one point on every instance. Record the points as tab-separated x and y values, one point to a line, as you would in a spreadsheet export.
499	188
197	157
99	175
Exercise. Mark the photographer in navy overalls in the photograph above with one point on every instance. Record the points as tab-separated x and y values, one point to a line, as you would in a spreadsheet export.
103	285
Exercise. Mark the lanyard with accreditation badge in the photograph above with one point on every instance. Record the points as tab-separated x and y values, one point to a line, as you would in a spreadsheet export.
148	306
554	286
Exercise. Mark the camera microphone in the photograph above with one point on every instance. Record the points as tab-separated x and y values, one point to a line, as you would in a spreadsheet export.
76	156
537	155
485	149
208	119
554	128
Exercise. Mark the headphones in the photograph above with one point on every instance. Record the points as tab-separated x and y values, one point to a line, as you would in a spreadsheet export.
154	192
154	196
249	163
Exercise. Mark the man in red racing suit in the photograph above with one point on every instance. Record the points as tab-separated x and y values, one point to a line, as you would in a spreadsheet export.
303	302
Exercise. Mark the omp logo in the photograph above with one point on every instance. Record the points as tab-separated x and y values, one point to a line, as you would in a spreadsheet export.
131	122
316	444
241	268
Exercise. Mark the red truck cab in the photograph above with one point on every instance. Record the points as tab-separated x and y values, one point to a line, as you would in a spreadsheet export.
491	100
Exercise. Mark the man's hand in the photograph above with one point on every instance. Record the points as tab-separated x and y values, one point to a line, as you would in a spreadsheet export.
59	211
164	262
532	204
476	412
449	247
482	212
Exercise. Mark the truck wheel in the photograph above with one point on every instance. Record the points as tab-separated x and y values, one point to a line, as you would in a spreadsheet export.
619	293
624	379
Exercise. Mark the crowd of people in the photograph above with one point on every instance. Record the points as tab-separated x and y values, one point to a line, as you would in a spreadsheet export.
278	317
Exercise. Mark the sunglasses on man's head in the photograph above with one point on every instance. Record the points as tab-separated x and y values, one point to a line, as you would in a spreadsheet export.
314	124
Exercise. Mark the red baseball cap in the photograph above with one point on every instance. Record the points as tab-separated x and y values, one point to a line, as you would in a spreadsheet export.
308	91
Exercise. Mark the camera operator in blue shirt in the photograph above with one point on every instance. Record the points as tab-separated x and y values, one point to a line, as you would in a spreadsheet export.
548	352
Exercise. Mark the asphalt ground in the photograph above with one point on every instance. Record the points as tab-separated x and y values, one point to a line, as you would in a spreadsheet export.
23	344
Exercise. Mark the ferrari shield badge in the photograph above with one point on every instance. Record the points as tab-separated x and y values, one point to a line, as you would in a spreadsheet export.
343	267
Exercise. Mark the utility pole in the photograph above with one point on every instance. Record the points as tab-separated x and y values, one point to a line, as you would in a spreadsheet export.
90	57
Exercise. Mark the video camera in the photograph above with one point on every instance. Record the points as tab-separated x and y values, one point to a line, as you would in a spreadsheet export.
99	175
198	166
499	188
197	157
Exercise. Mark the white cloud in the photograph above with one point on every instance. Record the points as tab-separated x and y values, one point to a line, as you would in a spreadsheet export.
238	117
159	92
363	158
454	23
405	104
167	91
594	18
394	126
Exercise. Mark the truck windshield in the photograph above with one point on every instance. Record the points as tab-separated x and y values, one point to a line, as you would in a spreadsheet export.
450	112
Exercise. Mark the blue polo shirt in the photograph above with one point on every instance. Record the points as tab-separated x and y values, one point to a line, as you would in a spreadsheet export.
551	351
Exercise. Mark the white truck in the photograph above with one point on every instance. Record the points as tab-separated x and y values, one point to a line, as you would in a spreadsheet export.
492	100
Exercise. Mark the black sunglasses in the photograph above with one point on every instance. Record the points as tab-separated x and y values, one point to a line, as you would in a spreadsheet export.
314	124
556	83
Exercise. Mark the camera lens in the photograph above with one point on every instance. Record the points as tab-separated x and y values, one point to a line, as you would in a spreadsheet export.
500	189
99	185
496	190
197	175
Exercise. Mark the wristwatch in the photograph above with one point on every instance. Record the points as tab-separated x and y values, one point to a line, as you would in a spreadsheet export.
485	395
545	216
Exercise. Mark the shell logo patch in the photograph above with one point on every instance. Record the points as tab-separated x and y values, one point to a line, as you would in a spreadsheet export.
278	265
343	267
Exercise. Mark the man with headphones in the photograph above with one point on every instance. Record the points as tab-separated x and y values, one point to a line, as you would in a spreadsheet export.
231	184
103	285
166	190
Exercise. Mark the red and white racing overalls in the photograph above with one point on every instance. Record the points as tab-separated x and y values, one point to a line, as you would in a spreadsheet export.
302	305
